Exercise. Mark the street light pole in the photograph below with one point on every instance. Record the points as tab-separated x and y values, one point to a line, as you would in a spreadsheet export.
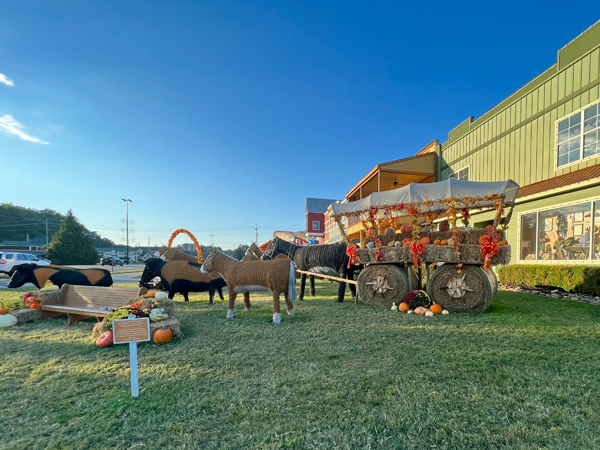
126	200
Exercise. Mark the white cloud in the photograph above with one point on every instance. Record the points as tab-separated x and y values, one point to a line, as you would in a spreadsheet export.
4	79
11	126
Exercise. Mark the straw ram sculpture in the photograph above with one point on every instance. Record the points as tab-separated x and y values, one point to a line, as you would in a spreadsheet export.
243	277
322	259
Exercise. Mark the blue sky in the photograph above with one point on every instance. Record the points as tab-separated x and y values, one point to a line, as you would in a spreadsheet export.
219	116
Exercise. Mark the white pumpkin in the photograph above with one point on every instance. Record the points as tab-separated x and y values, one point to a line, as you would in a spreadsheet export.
7	320
429	314
410	311
160	295
445	311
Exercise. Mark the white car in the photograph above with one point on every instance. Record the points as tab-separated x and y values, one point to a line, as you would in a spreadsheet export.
9	260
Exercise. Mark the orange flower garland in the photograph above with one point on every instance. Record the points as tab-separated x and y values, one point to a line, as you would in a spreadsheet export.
192	237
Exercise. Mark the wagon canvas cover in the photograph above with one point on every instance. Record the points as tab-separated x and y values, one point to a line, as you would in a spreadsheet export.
417	193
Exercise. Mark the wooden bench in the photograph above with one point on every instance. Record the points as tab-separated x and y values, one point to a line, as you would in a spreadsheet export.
83	302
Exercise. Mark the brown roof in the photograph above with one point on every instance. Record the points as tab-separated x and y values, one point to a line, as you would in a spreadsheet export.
566	179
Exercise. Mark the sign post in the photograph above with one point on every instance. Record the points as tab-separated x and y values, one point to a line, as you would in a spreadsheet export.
132	330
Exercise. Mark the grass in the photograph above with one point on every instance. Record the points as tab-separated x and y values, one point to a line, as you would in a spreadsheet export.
522	375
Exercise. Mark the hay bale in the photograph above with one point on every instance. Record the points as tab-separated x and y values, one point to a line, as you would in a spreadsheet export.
25	315
169	305
168	324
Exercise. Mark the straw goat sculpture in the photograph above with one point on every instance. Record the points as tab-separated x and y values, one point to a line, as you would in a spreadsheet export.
169	253
317	259
243	277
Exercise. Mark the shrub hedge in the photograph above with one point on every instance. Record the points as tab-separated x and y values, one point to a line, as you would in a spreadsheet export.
580	279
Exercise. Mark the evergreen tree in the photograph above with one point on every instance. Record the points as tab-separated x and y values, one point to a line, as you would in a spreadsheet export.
70	245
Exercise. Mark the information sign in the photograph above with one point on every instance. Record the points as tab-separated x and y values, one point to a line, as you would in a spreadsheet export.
132	331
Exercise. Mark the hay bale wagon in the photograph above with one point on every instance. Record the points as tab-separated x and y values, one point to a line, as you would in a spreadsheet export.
458	274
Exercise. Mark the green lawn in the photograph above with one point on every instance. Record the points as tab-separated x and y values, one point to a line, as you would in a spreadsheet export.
523	375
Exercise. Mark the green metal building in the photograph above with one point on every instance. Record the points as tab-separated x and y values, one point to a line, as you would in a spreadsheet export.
546	137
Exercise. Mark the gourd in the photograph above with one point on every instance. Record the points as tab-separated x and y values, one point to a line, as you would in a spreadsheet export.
437	242
406	242
445	312
429	314
397	244
160	295
406	228
444	242
105	339
394	307
162	336
3	310
425	241
435	308
483	239
403	307
7	320
150	294
420	310
505	242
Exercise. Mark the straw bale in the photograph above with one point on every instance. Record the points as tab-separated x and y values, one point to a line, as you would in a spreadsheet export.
25	315
168	324
169	305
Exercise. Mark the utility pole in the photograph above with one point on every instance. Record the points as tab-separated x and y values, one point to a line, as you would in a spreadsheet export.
256	240
47	232
126	200
211	242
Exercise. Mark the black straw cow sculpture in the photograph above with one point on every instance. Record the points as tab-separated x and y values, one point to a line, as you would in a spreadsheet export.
183	277
58	275
322	259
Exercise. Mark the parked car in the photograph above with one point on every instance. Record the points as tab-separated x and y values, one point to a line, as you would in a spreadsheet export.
108	261
9	260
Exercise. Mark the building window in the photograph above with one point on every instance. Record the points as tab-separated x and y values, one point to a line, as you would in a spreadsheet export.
462	174
578	136
565	233
316	225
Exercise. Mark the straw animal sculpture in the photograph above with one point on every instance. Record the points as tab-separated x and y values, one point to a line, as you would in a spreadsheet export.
243	277
253	253
183	277
169	253
318	259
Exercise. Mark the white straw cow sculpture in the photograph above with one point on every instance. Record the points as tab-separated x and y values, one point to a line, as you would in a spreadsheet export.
243	277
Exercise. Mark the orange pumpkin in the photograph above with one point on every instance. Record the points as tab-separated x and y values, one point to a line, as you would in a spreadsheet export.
483	239
435	308
406	228
437	242
420	310
425	241
162	336
444	242
403	307
105	339
3	310
150	294
406	242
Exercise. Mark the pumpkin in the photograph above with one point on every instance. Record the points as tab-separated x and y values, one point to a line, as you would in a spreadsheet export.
445	312
160	295
35	306
105	339
406	242
403	307
437	242
162	336
444	242
29	301
425	241
505	242
435	308
429	314
420	310
406	228
7	320
483	239
3	310
150	294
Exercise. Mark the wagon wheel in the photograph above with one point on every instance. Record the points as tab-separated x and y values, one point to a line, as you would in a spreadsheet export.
383	284
470	290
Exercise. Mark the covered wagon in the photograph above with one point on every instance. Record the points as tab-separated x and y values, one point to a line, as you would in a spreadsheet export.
455	262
